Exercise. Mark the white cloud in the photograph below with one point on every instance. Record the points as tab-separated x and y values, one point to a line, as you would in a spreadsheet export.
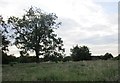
92	22
81	20
102	49
14	50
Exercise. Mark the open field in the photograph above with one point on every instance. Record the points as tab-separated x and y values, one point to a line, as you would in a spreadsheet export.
67	71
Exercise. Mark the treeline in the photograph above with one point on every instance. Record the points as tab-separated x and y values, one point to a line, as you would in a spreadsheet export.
77	54
28	59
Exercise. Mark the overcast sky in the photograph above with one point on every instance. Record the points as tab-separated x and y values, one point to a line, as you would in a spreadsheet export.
93	23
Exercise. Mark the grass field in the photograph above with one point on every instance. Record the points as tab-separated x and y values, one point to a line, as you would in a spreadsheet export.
67	71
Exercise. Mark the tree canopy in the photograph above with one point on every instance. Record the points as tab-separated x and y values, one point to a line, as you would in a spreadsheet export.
35	32
107	56
80	53
4	42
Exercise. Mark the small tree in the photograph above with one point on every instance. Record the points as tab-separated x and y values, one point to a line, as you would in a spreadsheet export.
107	56
80	53
75	53
117	57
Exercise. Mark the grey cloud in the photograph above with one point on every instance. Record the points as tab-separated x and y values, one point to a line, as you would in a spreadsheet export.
97	27
97	40
68	23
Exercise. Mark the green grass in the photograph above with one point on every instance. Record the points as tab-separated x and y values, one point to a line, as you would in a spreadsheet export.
67	71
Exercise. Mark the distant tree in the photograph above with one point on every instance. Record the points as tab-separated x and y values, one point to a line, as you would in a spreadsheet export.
35	32
26	59
96	57
5	59
67	58
53	58
31	59
117	57
80	53
107	56
46	58
75	53
60	58
23	57
12	58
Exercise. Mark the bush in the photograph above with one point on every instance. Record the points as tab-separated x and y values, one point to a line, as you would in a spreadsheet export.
80	53
117	57
67	58
5	59
107	56
26	59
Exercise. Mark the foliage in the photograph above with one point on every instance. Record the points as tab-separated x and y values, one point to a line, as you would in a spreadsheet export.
53	58
97	57
80	53
3	31
5	41
67	58
107	56
35	32
26	59
6	59
117	57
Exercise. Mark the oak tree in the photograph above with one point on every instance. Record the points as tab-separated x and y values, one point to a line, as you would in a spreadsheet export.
35	32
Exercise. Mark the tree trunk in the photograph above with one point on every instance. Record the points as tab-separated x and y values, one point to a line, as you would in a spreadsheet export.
37	56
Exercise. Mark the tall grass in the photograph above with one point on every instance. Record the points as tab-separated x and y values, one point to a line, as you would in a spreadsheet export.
68	71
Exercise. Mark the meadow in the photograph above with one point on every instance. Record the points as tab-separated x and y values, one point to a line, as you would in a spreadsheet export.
99	70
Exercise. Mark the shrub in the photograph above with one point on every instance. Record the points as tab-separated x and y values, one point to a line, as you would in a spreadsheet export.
80	53
107	56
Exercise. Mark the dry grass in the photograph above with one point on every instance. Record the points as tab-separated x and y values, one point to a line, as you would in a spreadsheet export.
68	71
